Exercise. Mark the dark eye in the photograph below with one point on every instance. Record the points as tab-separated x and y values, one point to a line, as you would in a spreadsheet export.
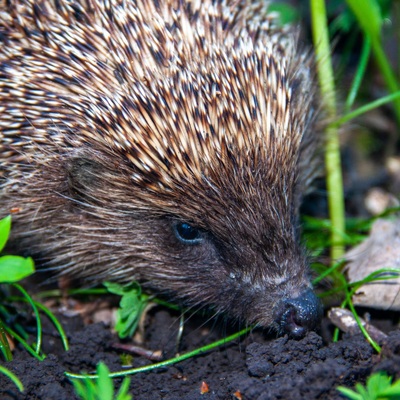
187	233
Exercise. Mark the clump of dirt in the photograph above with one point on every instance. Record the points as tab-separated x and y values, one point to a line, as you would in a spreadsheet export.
259	367
315	370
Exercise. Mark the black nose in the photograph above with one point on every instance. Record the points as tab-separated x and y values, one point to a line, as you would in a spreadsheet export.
299	315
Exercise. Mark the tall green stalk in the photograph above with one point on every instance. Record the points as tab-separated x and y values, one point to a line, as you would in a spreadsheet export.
368	14
334	179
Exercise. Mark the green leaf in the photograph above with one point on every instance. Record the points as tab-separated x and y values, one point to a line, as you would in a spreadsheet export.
105	387
391	391
15	268
5	226
378	387
369	16
123	390
80	388
128	315
86	389
102	388
91	388
351	394
378	382
115	288
131	307
363	391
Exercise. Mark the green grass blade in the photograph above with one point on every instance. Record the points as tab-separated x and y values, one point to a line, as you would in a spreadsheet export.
51	317
79	388
165	363
6	316
328	272
370	19
56	323
37	316
371	341
23	342
4	345
362	66
389	273
13	377
123	390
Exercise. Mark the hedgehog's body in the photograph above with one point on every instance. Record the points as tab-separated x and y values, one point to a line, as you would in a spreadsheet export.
164	141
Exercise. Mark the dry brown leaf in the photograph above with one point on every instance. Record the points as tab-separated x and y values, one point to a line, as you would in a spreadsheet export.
380	250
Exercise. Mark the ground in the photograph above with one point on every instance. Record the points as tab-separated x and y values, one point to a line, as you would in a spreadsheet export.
259	367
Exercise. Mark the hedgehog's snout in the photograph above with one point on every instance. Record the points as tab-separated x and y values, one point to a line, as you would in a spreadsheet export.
299	315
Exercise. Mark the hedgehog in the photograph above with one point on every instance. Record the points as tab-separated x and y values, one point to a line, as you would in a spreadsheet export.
164	141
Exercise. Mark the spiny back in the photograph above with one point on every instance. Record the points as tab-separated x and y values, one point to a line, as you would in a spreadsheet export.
175	86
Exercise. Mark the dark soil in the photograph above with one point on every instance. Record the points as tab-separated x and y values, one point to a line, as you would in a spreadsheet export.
259	367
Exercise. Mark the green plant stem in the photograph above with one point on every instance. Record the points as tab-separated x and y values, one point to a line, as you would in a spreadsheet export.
334	179
169	362
362	65
372	342
364	109
348	301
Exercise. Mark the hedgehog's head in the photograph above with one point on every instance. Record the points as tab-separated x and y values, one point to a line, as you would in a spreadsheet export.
179	138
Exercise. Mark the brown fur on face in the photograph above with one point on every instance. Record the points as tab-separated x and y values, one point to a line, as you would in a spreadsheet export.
120	122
